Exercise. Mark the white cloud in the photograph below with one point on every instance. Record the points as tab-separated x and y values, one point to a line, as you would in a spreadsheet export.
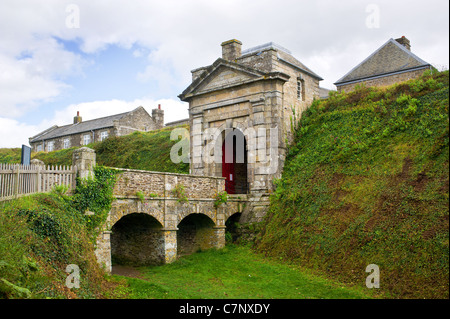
330	37
22	87
14	133
173	110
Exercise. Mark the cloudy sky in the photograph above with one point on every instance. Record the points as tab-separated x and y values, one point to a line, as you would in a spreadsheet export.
106	57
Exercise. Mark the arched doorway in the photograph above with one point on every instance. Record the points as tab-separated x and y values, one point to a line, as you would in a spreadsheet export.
195	232
137	240
234	162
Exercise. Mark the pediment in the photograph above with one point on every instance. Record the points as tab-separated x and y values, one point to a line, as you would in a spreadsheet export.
222	74
224	77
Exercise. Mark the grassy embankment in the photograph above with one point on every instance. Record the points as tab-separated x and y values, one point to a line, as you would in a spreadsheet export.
147	151
366	182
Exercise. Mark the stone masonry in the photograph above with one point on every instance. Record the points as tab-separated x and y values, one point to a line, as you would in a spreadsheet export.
260	93
149	223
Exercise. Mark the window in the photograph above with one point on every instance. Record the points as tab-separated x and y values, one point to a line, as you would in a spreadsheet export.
39	148
50	146
66	143
86	139
300	89
103	135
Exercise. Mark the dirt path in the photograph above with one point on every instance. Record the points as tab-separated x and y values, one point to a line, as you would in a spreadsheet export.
127	271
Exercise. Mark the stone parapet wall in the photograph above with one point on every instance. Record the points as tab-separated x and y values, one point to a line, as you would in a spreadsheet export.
160	184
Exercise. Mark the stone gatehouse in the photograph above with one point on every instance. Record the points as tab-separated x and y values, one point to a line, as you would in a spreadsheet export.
253	96
242	109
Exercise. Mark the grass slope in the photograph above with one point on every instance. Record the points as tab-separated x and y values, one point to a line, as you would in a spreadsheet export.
146	151
366	182
233	272
40	235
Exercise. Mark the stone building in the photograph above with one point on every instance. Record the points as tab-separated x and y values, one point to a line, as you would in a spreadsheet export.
392	63
241	113
85	132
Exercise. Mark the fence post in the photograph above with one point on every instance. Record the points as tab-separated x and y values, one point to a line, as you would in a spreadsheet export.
39	166
16	172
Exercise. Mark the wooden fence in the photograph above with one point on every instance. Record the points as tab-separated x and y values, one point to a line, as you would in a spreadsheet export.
17	180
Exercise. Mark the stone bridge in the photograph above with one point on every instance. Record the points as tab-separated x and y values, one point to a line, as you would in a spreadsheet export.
158	217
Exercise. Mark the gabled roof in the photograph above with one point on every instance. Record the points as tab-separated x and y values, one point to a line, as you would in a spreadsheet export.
85	126
391	57
248	74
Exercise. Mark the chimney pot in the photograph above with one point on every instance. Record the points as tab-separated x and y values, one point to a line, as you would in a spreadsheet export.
405	42
159	106
231	49
77	119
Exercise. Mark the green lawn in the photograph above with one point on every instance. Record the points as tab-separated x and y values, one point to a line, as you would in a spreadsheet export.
234	272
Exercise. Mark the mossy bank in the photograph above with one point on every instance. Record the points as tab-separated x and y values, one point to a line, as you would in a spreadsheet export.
366	182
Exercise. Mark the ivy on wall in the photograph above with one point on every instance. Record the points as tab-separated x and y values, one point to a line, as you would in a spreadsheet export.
93	197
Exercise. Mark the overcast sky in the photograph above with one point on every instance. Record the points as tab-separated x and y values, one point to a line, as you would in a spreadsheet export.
107	57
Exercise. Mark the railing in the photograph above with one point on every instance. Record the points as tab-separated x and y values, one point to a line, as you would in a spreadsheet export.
17	180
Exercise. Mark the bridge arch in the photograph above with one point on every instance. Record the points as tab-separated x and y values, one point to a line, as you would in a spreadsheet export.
195	232
231	224
123	207
137	239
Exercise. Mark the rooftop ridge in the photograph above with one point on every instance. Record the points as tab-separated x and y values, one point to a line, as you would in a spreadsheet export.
269	45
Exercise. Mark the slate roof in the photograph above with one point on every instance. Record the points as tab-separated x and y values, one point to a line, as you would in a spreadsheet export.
290	59
284	55
391	57
85	126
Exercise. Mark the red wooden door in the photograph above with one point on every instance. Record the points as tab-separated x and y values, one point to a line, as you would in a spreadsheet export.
228	168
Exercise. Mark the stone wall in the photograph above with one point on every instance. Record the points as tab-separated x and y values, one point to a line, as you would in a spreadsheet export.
383	81
139	120
160	184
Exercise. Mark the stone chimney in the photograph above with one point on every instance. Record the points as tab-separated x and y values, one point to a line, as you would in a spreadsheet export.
405	42
77	119
158	117
231	50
